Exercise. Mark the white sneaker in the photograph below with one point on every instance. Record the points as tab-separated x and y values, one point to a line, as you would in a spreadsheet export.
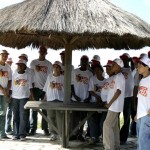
15	138
22	139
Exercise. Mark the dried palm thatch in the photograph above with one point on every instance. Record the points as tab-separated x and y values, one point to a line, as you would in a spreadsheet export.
81	23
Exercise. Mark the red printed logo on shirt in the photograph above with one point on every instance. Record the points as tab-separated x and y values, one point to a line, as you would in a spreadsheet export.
56	85
21	82
143	91
111	85
97	88
125	75
43	69
3	73
82	79
106	85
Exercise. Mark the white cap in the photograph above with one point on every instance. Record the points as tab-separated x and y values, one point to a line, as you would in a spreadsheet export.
4	52
9	60
119	62
96	58
145	60
24	55
142	55
21	61
58	63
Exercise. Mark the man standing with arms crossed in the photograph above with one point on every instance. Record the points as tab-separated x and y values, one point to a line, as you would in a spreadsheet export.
41	68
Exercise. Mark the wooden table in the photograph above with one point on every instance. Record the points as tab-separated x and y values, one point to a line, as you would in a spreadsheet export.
66	110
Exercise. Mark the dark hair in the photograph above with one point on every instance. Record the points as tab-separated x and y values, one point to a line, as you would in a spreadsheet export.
98	66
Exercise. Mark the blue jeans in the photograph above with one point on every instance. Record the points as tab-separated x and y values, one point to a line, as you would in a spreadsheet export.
8	127
143	133
3	109
124	131
33	121
20	117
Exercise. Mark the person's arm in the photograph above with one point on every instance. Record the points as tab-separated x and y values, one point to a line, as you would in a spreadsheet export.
98	98
73	93
116	95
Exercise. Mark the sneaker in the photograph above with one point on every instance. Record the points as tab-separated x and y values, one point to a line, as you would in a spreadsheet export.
22	139
5	137
9	133
46	132
15	138
53	137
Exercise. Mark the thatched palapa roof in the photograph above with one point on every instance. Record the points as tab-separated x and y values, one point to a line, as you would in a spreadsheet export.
83	23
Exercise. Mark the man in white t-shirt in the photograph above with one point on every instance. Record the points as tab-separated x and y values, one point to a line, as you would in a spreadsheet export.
129	85
80	93
5	83
115	101
143	108
41	68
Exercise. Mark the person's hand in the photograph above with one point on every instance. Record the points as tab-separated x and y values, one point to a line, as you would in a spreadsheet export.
107	106
135	118
4	91
37	68
77	98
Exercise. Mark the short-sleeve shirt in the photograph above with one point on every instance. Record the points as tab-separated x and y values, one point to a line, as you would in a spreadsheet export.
5	76
80	80
117	82
96	86
21	85
129	82
45	69
143	97
54	88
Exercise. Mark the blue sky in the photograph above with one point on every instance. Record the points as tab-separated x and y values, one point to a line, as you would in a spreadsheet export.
140	8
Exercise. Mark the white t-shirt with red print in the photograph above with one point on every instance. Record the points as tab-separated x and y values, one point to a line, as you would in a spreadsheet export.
54	88
143	97
116	82
5	76
105	89
40	76
21	85
80	80
129	82
96	86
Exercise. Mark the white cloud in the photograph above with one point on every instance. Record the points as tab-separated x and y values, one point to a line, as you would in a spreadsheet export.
146	3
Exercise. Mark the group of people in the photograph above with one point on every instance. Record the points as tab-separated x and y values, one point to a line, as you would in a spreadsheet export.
125	90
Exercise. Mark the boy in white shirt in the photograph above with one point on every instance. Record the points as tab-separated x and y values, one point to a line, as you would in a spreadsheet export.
54	89
143	108
21	90
115	101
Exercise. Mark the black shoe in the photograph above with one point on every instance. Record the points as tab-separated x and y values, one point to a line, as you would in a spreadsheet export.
73	137
81	138
46	132
32	132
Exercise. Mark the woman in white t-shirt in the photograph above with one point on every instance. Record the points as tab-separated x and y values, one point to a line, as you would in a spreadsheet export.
143	108
54	90
21	91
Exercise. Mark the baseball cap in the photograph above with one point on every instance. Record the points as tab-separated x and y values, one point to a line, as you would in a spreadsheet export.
125	56
21	61
145	60
95	58
4	52
62	53
142	55
23	55
58	63
119	62
109	63
135	59
9	60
